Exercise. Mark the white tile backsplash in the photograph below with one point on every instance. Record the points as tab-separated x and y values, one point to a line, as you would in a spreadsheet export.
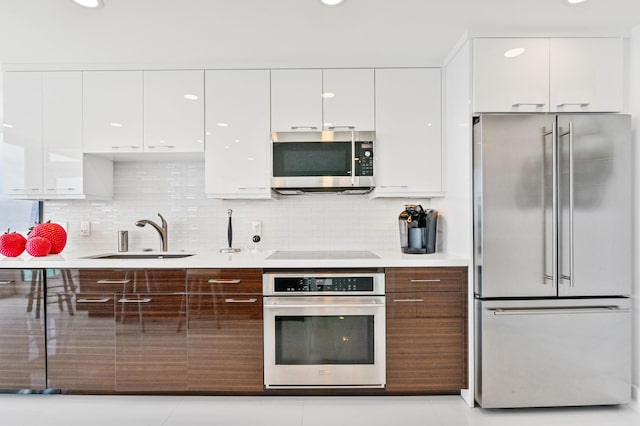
197	223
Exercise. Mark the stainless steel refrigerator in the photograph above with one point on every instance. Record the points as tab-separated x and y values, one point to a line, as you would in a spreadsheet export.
552	261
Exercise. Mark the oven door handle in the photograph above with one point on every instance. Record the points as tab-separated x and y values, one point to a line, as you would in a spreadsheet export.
326	305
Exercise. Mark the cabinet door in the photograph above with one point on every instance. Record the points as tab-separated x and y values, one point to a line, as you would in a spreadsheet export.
62	132
408	141
225	330
348	98
237	156
23	133
81	330
586	74
225	342
22	352
506	82
151	343
174	111
426	329
296	101
112	110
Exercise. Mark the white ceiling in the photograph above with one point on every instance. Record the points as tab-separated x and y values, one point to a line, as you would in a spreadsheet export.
279	33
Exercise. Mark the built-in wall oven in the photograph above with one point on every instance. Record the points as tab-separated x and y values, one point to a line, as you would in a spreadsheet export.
324	329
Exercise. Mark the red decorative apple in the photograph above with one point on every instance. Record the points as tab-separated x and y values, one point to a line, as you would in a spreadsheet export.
12	244
38	246
52	232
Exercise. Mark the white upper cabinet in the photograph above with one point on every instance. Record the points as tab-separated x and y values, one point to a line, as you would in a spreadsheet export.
511	75
43	140
174	111
408	145
296	100
348	99
112	107
315	99
22	133
548	75
237	154
62	132
586	74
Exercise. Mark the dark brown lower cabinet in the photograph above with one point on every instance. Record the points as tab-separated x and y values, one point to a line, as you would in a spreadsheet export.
22	337
426	330
224	338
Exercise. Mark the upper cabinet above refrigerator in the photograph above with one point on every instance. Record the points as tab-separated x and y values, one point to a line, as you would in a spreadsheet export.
548	75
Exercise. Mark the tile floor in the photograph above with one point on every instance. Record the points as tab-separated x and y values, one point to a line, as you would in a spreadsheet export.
75	410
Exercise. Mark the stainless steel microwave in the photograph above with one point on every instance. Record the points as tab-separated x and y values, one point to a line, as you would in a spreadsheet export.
323	161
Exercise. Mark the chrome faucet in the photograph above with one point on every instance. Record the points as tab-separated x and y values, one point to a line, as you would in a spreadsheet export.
161	230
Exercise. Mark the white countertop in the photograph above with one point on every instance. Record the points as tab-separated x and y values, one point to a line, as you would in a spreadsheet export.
244	259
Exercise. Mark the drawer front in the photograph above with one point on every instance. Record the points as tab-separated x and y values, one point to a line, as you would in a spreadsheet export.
225	281
109	281
425	279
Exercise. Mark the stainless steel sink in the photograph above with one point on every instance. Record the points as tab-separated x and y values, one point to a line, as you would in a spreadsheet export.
141	256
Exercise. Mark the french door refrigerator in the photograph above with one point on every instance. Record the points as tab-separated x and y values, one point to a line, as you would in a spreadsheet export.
552	259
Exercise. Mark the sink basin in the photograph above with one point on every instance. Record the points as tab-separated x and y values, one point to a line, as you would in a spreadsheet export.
141	256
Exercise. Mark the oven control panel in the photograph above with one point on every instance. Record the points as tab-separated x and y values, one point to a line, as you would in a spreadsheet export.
322	284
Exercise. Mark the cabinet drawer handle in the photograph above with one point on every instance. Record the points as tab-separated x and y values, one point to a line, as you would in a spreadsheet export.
394	186
244	188
240	300
341	127
161	146
125	146
103	300
537	104
145	300
61	189
17	189
113	281
582	104
408	300
6	282
424	281
304	127
214	281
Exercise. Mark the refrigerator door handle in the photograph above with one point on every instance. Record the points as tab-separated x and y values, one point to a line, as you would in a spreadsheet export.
557	311
569	133
554	208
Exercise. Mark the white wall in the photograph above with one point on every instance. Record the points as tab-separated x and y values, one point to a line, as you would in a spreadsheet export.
634	108
196	223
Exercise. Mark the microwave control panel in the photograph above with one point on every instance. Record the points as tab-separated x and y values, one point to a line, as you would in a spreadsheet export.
364	159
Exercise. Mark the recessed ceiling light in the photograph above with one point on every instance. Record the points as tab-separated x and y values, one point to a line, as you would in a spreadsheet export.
575	1
7	125
116	124
328	95
91	4
191	96
222	124
512	53
331	2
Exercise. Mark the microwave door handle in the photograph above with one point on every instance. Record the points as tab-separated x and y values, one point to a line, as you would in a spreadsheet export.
353	158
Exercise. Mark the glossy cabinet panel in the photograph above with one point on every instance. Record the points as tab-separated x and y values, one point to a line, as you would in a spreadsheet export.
238	147
22	336
174	111
586	74
62	132
348	99
511	83
296	102
548	75
22	166
112	111
408	146
426	330
225	330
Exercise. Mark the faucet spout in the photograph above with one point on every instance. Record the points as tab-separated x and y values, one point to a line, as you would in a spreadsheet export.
162	230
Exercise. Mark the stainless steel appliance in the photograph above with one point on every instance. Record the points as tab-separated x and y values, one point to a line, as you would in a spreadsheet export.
552	261
323	161
324	329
